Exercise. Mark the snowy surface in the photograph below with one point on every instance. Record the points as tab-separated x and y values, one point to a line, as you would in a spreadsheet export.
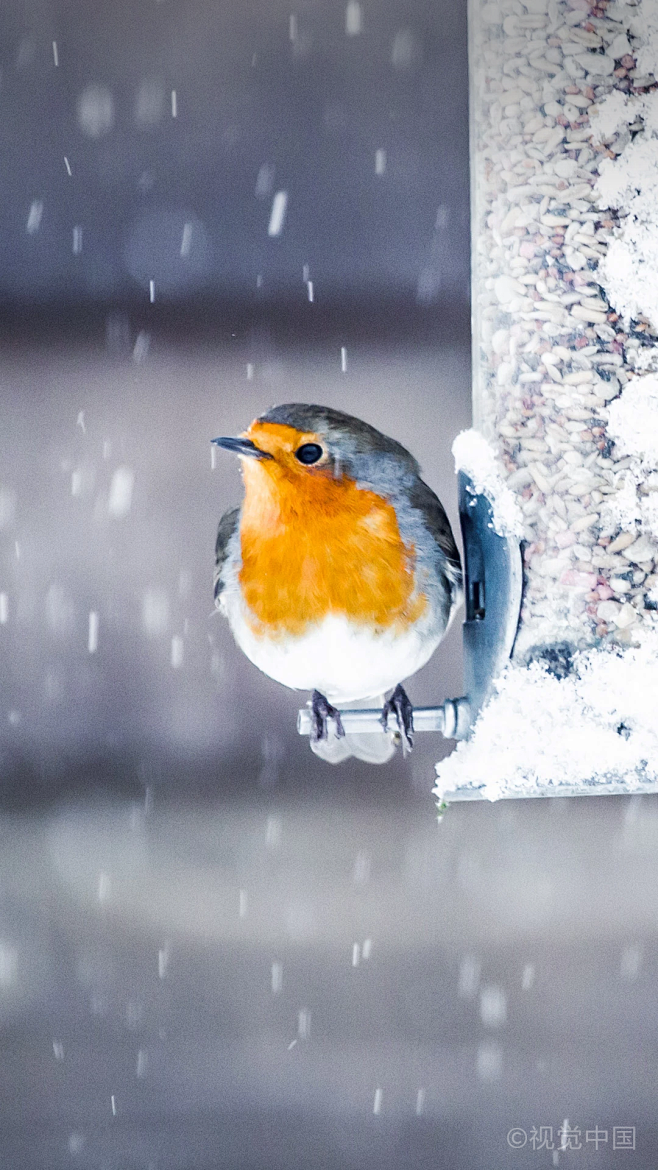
646	26
633	420
633	424
629	184
596	726
474	456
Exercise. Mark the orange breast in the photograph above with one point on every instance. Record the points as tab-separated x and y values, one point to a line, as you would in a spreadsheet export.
318	547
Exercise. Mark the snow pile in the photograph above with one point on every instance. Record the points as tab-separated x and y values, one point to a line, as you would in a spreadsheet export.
623	509
633	420
629	182
633	424
598	726
476	458
610	115
645	26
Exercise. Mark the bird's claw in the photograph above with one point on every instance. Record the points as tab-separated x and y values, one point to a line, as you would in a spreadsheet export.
321	712
399	705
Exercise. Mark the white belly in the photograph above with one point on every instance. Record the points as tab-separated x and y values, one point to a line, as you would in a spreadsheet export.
341	660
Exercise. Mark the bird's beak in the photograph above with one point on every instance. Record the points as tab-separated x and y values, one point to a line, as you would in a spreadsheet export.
242	447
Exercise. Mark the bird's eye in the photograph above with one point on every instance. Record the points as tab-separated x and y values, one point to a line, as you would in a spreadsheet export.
309	453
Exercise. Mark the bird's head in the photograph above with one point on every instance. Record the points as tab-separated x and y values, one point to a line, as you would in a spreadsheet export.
301	444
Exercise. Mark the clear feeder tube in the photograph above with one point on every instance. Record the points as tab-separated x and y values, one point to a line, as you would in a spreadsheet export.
557	100
564	166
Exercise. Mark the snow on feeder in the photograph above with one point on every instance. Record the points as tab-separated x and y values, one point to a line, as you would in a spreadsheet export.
562	465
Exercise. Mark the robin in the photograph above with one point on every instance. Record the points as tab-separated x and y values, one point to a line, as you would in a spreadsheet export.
339	573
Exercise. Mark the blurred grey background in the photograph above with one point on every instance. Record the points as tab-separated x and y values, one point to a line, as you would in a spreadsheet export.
110	504
215	950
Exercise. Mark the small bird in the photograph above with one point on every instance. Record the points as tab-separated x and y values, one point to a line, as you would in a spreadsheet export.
339	573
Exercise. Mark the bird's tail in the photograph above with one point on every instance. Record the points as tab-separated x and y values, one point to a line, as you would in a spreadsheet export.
374	749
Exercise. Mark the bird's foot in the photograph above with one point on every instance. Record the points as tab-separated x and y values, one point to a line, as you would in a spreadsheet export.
321	712
399	705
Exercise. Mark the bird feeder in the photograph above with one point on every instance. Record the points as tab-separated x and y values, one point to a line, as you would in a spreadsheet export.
558	481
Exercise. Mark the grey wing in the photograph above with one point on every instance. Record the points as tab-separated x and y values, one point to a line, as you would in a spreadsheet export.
438	526
228	527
